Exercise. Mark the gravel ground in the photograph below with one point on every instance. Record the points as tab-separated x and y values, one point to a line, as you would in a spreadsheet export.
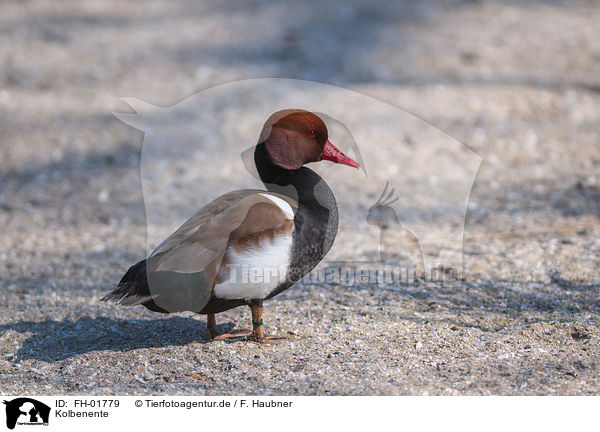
517	81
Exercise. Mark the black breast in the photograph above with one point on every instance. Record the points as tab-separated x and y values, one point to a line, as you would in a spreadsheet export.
315	224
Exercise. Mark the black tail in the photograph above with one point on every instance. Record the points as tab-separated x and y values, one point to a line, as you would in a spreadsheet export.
133	289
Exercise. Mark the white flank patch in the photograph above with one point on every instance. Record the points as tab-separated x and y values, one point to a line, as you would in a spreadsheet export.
282	204
254	273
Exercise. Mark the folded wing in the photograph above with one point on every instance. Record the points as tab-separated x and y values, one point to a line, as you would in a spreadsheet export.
180	273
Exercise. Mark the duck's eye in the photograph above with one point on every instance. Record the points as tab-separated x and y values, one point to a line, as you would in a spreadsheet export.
311	133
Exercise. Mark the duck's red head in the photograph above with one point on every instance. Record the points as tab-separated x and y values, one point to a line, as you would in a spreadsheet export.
296	137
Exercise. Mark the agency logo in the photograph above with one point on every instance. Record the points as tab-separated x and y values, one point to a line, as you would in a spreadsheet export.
399	219
26	411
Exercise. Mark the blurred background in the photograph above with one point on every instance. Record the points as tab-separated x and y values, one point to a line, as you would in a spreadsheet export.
516	81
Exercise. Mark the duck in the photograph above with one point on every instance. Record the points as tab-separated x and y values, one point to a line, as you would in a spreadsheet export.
248	245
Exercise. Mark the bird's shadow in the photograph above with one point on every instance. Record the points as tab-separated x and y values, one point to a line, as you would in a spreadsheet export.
58	340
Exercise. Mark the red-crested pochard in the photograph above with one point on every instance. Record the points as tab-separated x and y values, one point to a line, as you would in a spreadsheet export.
248	245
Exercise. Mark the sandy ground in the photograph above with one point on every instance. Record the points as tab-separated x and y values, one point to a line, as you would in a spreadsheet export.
518	81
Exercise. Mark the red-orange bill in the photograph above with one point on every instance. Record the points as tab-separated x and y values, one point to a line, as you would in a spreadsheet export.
333	154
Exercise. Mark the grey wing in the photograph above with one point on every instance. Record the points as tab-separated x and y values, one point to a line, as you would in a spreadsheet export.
202	217
182	271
